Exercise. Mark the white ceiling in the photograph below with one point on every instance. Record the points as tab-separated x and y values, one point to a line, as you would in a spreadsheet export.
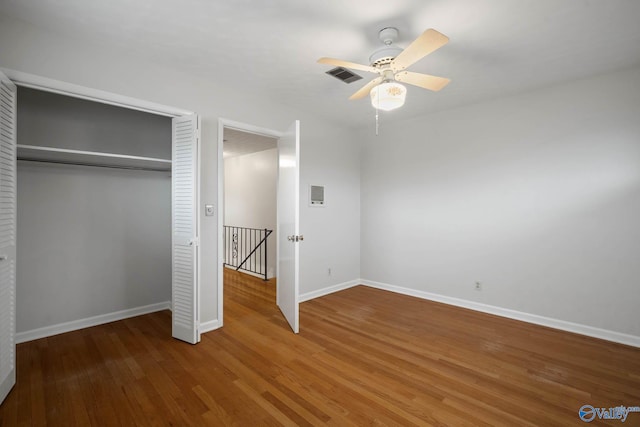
237	143
497	47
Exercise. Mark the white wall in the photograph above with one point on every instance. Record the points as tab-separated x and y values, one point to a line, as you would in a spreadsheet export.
536	196
328	152
90	241
331	233
250	196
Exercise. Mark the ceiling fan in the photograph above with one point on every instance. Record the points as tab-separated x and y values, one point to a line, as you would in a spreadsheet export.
390	63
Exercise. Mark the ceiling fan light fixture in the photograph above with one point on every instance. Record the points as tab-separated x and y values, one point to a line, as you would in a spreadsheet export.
388	96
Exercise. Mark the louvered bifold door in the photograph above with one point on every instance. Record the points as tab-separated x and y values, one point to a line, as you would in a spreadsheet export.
184	178
7	236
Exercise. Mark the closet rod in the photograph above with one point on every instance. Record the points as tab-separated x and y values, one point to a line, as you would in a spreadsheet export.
98	165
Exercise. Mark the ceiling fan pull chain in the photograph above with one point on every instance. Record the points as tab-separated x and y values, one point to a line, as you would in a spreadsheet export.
377	122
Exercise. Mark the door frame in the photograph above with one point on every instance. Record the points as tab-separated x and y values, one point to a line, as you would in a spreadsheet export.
247	128
46	84
33	81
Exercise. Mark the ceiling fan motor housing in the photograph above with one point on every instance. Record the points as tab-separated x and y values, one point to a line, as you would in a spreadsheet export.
386	53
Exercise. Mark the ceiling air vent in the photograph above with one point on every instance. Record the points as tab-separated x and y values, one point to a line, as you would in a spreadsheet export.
344	75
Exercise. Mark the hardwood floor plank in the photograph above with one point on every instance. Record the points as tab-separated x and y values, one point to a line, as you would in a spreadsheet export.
257	397
36	377
323	407
71	387
216	412
363	357
263	382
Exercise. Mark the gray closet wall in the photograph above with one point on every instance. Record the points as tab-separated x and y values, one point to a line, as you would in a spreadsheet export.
90	240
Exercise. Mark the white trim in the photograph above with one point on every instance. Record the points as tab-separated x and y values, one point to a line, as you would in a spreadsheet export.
198	226
220	232
243	127
328	290
63	88
209	326
563	325
74	325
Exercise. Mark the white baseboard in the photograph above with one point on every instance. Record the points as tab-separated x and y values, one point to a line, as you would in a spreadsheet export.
329	290
74	325
577	328
209	326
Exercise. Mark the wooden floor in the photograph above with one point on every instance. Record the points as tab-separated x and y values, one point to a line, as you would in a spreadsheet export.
363	357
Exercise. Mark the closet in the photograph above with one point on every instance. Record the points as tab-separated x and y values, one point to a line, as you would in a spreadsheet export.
94	213
107	212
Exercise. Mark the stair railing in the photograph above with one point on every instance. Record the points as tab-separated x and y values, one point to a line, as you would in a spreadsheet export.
246	249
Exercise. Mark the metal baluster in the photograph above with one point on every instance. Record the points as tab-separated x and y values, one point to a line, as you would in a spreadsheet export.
265	254
243	249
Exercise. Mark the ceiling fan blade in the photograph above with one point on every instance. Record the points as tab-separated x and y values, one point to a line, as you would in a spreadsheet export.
425	81
364	91
347	64
428	42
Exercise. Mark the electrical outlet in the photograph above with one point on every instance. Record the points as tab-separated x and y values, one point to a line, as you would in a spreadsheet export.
478	286
329	271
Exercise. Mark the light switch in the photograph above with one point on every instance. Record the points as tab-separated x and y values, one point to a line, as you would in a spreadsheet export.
208	210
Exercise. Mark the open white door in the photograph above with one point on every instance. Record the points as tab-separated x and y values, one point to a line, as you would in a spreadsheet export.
289	224
7	236
184	218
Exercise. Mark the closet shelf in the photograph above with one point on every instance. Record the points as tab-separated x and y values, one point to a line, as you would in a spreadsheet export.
90	158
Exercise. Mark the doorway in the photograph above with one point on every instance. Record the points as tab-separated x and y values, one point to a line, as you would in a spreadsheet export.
286	228
250	217
250	212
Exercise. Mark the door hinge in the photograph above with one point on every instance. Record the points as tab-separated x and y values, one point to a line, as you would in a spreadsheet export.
295	238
